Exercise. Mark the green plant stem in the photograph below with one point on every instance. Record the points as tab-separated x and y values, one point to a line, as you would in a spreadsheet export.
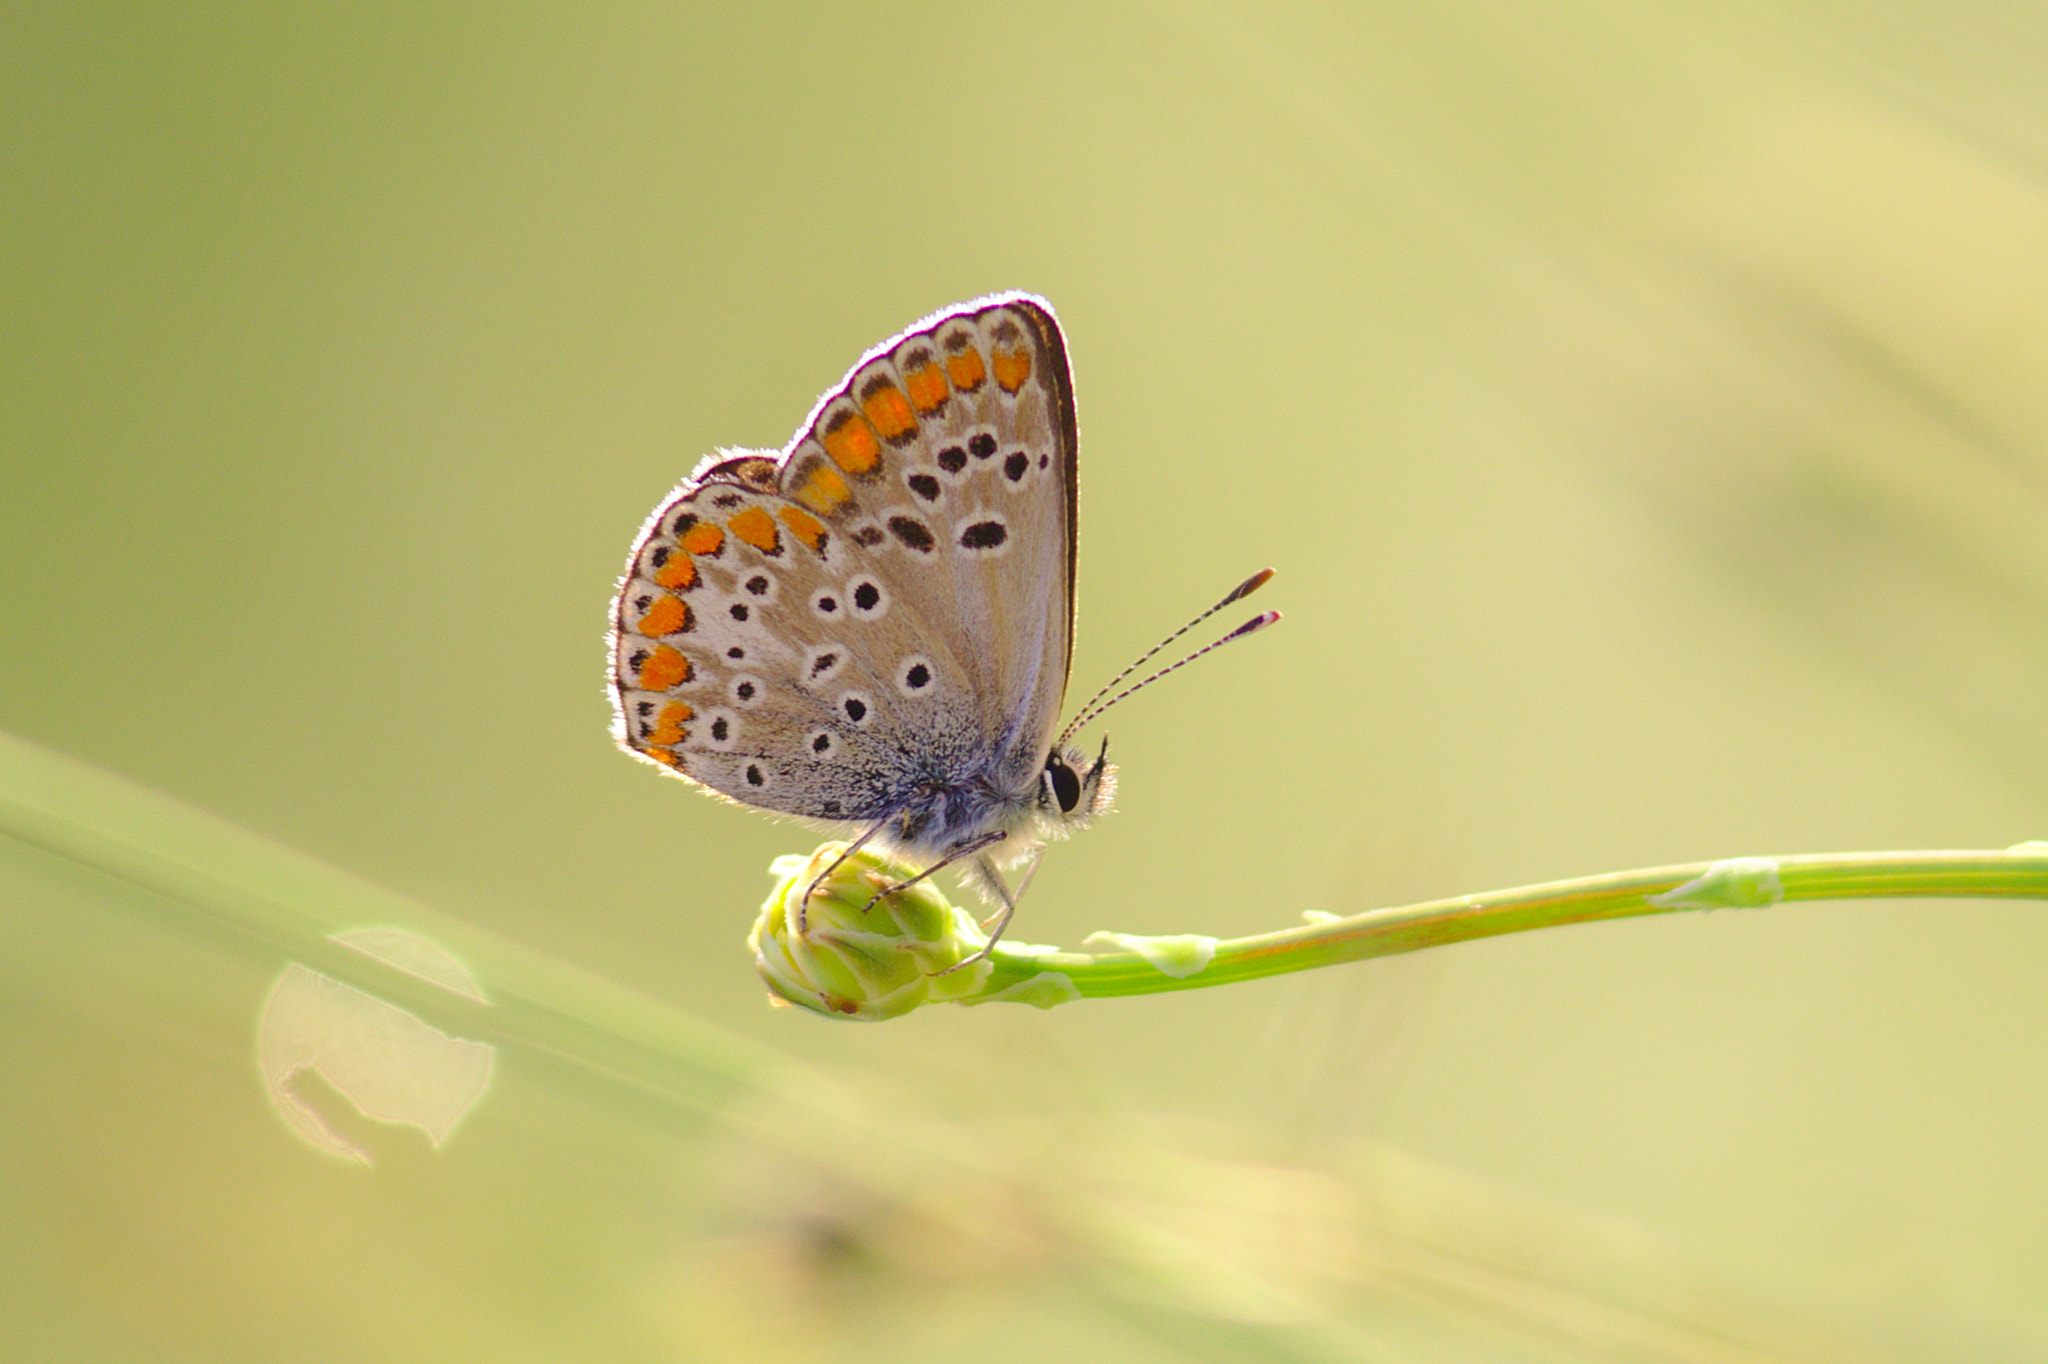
2020	872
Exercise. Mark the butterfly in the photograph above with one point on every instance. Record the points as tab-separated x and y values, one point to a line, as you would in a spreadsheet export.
871	629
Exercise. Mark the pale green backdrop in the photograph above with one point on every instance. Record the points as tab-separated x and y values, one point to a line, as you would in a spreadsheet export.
1645	406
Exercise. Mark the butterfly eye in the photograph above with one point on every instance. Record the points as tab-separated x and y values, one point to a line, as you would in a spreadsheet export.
1066	786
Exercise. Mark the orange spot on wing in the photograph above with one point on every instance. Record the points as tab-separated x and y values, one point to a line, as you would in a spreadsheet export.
888	411
851	443
662	756
703	538
965	370
824	491
756	528
677	572
668	726
661	668
805	527
927	384
1013	367
667	616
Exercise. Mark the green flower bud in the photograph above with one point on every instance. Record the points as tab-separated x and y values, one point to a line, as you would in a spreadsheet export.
857	956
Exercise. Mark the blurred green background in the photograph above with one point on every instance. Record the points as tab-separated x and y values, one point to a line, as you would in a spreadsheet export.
1645	408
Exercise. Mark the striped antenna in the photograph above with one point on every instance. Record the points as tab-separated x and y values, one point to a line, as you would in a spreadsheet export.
1096	705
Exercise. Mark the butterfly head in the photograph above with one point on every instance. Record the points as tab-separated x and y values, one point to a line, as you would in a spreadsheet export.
1072	789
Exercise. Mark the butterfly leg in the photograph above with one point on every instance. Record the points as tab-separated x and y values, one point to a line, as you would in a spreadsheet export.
986	840
992	877
803	901
1030	870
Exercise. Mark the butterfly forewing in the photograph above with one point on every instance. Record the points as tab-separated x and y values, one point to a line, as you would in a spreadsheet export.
885	607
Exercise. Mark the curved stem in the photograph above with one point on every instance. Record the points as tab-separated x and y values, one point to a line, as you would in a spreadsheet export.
1739	883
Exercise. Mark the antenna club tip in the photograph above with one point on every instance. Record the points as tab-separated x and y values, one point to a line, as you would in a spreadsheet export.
1248	586
1258	622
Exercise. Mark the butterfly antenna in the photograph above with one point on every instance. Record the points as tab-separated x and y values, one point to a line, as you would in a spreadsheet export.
1242	590
1095	705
